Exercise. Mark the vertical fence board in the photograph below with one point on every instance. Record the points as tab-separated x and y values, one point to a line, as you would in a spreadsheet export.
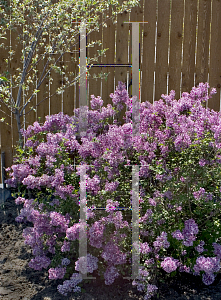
30	115
162	48
203	36
55	99
108	42
148	66
94	84
71	65
5	136
176	35
42	96
3	108
5	127
121	53
122	47
188	67
16	63
215	55
136	15
68	96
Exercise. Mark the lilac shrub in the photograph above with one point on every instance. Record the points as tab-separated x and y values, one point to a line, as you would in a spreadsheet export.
178	151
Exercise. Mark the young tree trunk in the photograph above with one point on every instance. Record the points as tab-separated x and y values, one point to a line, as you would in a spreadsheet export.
19	127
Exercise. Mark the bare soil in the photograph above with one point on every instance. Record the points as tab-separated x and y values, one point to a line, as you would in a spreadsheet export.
19	282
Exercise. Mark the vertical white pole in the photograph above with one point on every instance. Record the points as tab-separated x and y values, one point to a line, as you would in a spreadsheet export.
135	221
83	122
135	59
82	234
82	131
135	168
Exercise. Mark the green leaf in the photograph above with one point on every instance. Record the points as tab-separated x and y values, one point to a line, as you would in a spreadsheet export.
3	78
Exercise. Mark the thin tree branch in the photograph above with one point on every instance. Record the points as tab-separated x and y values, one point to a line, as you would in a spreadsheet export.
5	104
44	78
27	61
43	55
65	52
39	83
73	81
5	113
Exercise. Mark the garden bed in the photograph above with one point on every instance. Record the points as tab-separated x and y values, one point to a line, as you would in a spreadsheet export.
18	281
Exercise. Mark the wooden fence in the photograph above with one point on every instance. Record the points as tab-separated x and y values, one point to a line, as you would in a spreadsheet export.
179	47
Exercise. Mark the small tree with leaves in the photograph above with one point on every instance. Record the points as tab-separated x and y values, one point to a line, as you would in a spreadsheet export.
33	20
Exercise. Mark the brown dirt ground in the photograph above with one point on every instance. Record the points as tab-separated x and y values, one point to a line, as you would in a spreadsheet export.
19	282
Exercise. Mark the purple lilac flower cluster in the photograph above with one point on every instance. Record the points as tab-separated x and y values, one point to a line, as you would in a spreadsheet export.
209	265
161	242
70	285
142	285
188	234
86	264
169	264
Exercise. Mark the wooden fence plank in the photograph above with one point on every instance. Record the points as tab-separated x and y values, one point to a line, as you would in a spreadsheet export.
42	96
108	42
122	47
136	15
188	67
31	116
55	100
68	96
94	84
176	36
121	53
215	55
148	66
16	62
162	48
203	36
75	62
3	66
5	127
70	65
6	138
